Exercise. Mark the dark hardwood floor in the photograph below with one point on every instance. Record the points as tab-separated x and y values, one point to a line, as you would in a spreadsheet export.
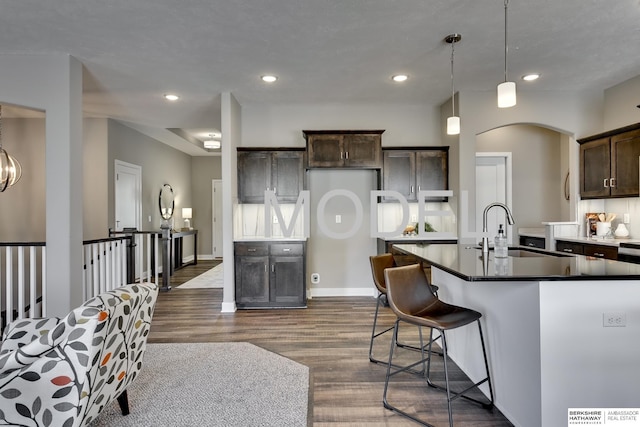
331	337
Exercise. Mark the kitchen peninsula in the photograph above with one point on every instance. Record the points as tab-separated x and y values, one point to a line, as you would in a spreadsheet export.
561	330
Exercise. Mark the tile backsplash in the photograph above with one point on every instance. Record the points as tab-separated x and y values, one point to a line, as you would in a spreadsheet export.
628	205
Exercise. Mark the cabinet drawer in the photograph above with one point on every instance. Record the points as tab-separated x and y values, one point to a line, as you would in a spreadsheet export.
533	242
251	249
608	252
287	249
572	248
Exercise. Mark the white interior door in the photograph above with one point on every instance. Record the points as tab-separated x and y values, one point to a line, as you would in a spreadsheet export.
216	218
493	184
128	195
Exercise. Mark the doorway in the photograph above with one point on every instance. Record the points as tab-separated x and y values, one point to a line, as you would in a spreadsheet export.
216	218
493	184
128	195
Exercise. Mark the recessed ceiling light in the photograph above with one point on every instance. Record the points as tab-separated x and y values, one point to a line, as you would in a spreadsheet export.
171	97
269	78
398	78
530	77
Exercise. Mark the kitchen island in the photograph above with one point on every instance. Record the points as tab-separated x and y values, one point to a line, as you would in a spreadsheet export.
561	331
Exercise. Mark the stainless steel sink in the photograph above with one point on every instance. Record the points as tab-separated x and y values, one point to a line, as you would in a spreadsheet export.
528	252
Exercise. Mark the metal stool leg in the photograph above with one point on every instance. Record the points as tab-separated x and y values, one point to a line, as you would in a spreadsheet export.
390	364
451	397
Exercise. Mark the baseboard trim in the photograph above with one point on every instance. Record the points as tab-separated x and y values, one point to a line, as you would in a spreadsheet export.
341	292
228	307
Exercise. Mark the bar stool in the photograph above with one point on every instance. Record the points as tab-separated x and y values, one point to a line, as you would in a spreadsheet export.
413	302
378	264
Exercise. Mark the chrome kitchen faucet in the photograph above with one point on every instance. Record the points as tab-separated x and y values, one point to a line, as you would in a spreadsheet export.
485	239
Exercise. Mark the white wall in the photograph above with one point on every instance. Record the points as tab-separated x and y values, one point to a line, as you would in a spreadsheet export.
620	104
576	114
538	175
282	125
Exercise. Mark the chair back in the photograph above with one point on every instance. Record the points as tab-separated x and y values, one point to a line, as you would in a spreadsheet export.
378	264
408	290
64	372
120	353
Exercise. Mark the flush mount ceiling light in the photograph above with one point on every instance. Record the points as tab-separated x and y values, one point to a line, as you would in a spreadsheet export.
453	122
269	78
10	168
506	90
212	144
399	78
531	77
171	97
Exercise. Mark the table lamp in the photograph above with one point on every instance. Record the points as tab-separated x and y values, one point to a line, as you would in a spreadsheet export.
187	214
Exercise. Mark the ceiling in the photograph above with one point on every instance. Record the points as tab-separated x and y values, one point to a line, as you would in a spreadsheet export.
323	51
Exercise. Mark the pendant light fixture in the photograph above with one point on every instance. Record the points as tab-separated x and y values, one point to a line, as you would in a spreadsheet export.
453	122
10	169
506	90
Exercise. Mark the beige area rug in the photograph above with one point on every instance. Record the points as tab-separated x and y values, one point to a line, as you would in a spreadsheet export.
213	278
211	385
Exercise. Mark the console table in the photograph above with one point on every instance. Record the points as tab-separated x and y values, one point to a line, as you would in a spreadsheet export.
176	248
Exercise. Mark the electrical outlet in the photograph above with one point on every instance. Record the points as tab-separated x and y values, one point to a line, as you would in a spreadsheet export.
414	218
338	219
614	319
315	278
626	218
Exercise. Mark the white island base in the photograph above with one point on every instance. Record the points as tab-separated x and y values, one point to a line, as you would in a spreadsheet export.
547	347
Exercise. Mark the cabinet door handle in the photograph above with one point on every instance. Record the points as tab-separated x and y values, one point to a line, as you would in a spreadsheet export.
346	155
251	250
275	190
605	184
530	244
341	155
612	182
567	250
273	268
411	190
598	254
286	250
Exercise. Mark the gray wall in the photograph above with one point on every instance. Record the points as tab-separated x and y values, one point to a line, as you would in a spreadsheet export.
203	171
342	263
160	164
22	207
538	175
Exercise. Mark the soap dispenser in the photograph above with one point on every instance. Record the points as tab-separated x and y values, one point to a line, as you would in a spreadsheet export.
500	248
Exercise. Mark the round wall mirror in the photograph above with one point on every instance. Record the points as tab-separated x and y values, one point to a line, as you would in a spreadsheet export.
166	202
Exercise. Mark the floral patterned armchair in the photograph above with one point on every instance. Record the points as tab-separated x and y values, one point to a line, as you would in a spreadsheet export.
63	372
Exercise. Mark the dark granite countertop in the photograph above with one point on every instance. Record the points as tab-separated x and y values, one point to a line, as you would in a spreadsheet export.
527	264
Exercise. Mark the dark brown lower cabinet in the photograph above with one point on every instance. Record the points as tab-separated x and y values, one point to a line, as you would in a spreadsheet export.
270	275
587	249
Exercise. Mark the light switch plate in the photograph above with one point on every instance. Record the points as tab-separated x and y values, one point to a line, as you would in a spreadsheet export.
625	218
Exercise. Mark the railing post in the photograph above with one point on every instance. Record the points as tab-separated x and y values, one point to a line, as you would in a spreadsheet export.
166	256
131	258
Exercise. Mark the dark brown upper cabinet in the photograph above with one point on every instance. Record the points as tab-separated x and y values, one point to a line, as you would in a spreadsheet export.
609	164
410	170
344	149
278	170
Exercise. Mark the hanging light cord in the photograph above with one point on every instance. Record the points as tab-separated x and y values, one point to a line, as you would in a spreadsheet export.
506	48
453	98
